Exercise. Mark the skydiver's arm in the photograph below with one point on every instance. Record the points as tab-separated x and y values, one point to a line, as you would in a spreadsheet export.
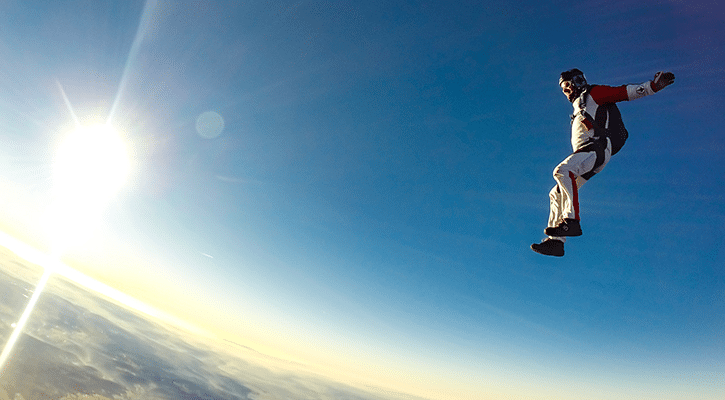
608	94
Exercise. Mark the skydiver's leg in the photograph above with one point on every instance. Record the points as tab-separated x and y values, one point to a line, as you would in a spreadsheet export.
556	210
568	180
564	199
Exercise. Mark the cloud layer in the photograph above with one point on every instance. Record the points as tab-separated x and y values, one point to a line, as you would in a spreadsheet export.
77	343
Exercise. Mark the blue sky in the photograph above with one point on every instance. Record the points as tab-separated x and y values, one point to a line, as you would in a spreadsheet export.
382	171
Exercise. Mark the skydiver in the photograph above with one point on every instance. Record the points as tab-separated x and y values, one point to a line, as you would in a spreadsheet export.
597	133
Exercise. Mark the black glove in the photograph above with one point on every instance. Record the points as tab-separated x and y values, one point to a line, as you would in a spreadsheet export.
662	80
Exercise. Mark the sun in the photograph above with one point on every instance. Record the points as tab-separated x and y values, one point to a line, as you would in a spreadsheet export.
91	164
92	160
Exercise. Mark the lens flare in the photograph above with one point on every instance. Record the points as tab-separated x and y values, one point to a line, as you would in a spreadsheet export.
209	125
20	325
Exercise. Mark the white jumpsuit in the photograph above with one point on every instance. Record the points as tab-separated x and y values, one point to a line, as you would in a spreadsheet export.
564	197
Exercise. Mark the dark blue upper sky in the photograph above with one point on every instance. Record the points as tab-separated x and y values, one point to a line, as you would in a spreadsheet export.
382	170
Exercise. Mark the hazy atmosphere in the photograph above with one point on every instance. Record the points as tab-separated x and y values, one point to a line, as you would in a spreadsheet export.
342	195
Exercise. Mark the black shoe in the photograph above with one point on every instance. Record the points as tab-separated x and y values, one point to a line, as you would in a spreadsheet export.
549	247
570	227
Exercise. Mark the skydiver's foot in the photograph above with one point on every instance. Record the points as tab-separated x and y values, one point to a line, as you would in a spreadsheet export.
570	227
549	247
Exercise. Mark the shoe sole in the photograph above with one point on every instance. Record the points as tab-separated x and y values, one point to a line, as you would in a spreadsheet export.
545	254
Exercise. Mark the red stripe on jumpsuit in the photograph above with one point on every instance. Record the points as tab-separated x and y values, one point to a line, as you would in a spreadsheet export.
575	195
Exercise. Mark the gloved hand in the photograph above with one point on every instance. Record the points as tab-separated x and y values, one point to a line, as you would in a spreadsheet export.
662	80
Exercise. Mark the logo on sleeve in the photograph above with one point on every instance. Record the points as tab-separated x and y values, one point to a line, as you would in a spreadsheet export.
641	89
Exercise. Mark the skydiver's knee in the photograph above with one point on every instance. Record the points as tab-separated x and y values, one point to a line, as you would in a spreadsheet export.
560	170
554	193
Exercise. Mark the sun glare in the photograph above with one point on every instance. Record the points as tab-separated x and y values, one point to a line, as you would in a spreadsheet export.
91	165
